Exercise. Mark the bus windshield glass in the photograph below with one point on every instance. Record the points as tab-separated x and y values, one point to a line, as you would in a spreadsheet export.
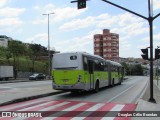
65	61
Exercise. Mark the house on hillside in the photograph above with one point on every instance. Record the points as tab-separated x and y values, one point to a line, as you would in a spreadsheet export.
4	40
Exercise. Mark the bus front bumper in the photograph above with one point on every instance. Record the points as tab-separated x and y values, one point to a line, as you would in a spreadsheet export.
78	86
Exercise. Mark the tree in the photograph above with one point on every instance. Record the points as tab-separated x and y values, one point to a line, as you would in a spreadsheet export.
16	48
126	67
36	51
139	69
5	53
133	69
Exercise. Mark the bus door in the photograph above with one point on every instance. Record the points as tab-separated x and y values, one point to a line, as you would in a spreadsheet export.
119	75
91	73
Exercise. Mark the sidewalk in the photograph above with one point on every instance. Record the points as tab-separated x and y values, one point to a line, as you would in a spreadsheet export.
16	95
18	80
144	105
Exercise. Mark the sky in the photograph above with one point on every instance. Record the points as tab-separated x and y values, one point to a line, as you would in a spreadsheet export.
72	29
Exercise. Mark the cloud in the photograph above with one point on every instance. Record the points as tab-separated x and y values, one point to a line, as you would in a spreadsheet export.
61	14
126	25
119	23
85	43
156	4
3	2
11	12
41	38
156	36
8	22
78	23
76	44
67	13
10	25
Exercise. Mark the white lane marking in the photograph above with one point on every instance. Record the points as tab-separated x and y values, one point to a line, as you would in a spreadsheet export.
115	108
33	107
93	108
55	106
74	107
67	110
48	108
120	93
21	105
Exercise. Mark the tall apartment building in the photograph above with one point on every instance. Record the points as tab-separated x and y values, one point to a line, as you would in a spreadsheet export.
106	45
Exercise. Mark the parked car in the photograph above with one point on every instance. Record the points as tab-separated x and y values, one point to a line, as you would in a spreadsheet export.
37	76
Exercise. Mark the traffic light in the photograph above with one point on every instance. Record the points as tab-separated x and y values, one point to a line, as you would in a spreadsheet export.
145	53
157	53
81	4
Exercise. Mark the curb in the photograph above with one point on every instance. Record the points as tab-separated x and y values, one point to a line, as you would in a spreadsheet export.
158	86
31	98
142	93
16	81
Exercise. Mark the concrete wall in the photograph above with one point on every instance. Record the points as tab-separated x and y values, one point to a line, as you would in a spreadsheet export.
24	74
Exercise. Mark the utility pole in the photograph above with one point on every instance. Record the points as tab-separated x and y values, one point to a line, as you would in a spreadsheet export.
49	54
150	20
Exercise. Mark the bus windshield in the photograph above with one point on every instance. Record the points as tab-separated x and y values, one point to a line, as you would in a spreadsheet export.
65	61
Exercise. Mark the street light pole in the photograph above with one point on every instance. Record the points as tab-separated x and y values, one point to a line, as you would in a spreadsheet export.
150	20
49	56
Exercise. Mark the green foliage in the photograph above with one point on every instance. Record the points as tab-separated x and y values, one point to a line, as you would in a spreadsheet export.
2	52
16	48
23	57
26	65
133	69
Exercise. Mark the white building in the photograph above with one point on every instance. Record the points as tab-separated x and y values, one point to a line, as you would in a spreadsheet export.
4	40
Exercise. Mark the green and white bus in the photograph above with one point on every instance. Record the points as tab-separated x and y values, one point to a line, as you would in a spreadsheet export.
78	71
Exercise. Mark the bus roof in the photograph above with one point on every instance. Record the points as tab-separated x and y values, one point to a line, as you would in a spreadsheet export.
94	56
82	53
115	63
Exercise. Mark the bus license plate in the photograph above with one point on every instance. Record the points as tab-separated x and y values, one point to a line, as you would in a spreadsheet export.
65	80
66	87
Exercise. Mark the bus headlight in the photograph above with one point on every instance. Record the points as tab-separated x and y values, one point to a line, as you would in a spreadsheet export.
79	78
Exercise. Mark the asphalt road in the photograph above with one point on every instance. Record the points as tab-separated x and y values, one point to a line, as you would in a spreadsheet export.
128	92
18	90
118	98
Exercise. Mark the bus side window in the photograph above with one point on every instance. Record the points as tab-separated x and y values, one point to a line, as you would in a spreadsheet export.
113	68
118	70
96	67
90	66
85	64
101	66
106	67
